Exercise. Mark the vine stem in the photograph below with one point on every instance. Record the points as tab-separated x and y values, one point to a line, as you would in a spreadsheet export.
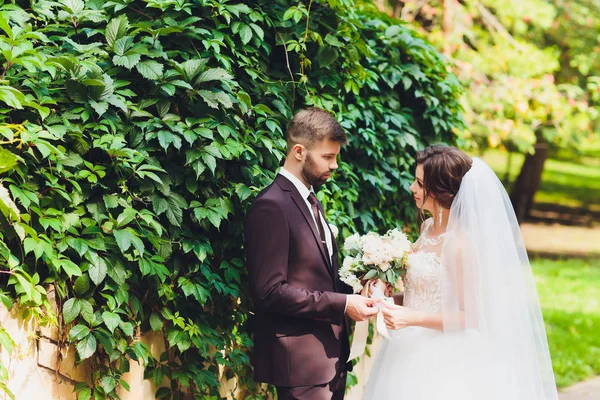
305	36
287	61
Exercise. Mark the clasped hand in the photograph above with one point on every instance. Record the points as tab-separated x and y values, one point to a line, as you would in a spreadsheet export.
397	317
361	308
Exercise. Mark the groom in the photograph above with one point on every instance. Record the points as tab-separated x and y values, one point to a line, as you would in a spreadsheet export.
300	334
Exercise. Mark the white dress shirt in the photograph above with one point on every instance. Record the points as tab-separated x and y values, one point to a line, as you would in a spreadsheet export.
305	192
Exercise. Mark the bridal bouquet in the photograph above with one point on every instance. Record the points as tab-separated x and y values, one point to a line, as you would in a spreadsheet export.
373	256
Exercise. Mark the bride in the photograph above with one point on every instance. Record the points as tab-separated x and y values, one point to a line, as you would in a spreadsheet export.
470	327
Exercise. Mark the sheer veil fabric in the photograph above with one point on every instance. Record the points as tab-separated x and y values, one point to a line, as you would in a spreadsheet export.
488	295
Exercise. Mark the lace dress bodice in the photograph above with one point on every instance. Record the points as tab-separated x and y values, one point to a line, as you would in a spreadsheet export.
422	281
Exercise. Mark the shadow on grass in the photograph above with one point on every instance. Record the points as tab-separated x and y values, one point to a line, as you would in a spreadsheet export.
571	187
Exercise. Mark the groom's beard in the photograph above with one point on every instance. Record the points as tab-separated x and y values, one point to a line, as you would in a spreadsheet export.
312	175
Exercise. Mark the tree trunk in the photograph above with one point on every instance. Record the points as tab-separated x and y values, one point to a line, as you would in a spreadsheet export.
397	9
506	179
528	181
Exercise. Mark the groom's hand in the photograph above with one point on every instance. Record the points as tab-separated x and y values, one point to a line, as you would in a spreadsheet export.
360	308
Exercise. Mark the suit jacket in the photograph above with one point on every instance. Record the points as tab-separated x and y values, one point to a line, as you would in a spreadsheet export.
300	336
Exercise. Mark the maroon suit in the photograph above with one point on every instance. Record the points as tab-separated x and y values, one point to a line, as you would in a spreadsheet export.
300	331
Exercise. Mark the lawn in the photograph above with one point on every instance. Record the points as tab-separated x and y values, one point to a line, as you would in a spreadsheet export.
569	292
564	182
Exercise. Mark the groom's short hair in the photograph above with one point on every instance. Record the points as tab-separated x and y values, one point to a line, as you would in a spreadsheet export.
312	125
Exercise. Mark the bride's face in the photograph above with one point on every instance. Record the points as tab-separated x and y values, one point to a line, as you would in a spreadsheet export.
418	191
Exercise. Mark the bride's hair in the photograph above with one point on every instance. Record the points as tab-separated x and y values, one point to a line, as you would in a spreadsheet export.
443	170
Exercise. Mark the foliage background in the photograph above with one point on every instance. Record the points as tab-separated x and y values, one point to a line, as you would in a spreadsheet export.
135	135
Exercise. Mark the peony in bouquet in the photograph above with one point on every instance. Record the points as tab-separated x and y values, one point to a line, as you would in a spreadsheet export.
374	256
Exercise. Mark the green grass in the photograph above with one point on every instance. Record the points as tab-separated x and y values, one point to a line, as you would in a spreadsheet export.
569	292
564	182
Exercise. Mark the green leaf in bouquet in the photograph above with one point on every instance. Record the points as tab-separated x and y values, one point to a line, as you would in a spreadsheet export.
389	276
371	274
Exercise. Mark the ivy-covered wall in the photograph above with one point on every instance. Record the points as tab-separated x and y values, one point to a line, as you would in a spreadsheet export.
135	134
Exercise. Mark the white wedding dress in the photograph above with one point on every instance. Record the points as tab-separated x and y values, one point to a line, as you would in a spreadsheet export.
427	364
496	349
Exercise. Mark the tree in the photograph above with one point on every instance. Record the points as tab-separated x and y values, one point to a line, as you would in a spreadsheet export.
531	72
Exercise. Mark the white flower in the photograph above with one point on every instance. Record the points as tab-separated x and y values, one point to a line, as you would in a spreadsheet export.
354	283
334	230
400	241
352	243
385	266
348	263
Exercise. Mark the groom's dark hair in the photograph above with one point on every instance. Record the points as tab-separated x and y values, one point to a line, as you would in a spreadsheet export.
312	125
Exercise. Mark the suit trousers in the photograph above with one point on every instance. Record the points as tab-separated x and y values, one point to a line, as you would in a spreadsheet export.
333	390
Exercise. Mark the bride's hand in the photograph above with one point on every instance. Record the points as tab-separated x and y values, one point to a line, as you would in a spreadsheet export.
398	317
376	283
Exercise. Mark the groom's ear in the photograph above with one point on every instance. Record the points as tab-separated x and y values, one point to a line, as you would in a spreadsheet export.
298	152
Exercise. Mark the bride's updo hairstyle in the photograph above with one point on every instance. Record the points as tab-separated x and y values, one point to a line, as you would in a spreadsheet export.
443	170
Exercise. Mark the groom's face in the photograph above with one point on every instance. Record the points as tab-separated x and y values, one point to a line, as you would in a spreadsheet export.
320	162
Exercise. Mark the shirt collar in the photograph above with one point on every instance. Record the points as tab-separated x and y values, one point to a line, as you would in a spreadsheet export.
301	187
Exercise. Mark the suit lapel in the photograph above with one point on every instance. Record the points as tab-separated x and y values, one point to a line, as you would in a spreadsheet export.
285	184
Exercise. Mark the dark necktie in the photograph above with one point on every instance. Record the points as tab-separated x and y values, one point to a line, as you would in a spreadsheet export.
312	199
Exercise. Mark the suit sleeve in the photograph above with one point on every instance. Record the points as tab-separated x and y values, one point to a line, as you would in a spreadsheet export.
267	242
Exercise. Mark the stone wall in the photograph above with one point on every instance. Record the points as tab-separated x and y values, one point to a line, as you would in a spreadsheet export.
42	364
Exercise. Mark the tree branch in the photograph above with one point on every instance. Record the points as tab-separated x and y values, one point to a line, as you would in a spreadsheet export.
493	24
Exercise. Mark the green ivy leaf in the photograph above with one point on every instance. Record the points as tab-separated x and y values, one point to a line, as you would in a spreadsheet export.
7	160
333	41
238	8
86	347
165	138
78	332
85	394
258	30
99	106
214	74
214	99
126	216
71	310
82	284
151	70
111	320
210	161
87	311
175	209
111	200
245	34
108	383
127	328
70	268
156	322
7	205
159	205
123	239
97	270
116	29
